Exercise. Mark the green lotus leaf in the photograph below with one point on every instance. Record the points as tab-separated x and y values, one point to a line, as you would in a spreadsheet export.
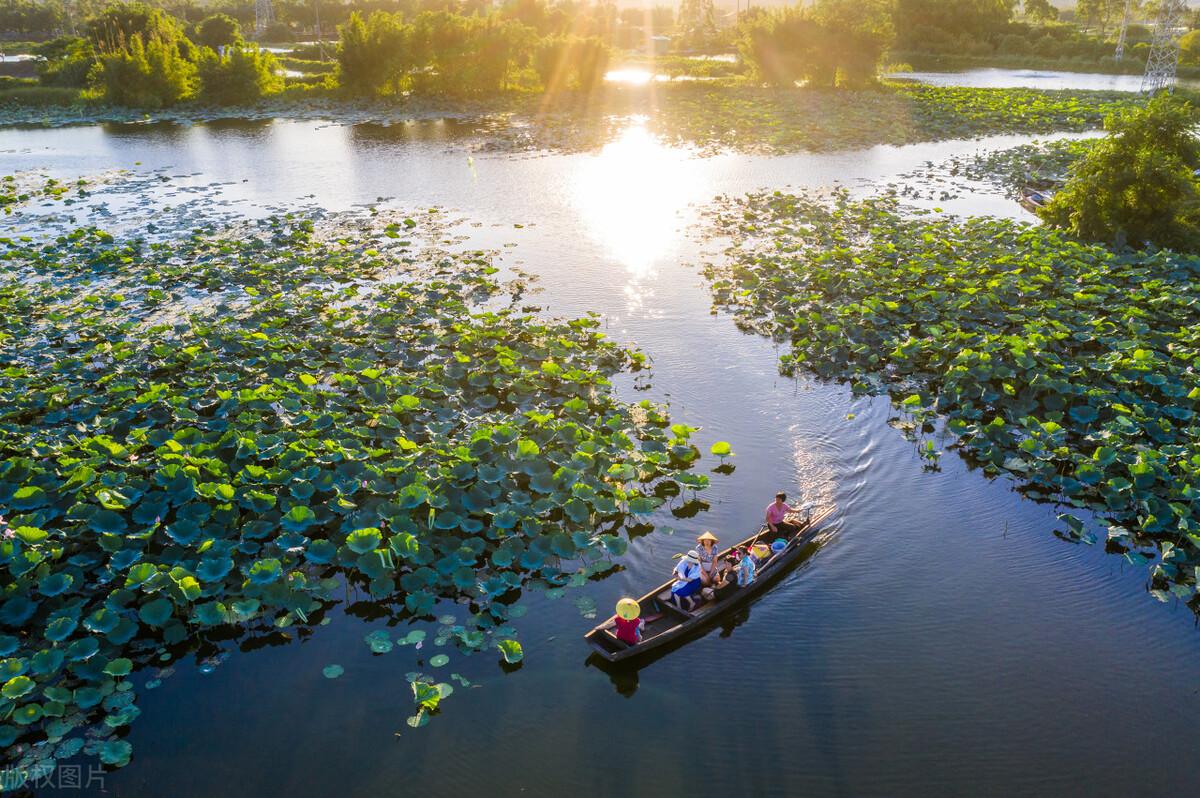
438	660
60	629
320	552
298	519
120	666
17	687
107	522
723	449
210	613
30	534
29	497
13	666
124	558
27	714
212	569
265	571
156	612
245	609
140	573
116	753
362	541
16	611
511	651
333	671
55	584
184	532
47	661
88	697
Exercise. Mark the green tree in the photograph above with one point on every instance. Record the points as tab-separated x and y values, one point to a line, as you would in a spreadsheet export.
217	31
696	24
66	62
1189	47
146	74
374	55
571	62
1137	186
836	41
241	75
1040	10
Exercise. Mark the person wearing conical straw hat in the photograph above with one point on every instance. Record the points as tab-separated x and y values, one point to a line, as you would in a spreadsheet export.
629	622
685	590
707	549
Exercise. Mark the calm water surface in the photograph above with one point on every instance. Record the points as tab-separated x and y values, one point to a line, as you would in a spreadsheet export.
1031	79
940	641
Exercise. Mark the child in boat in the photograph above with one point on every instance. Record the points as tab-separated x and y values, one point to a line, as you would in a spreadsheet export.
686	589
746	567
629	625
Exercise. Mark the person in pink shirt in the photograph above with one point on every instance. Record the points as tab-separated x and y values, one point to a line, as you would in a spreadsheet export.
776	510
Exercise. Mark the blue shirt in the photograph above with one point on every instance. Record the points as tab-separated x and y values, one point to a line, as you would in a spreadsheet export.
745	571
685	572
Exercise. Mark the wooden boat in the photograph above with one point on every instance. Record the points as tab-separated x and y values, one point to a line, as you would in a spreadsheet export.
667	622
1034	198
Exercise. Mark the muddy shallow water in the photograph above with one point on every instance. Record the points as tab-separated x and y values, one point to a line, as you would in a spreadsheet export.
940	641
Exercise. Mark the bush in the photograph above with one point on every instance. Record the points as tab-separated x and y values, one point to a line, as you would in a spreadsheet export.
373	54
146	75
571	62
1137	186
1189	47
242	75
217	31
65	62
830	42
39	96
464	55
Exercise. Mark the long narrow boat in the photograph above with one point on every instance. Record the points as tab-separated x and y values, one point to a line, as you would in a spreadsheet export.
669	622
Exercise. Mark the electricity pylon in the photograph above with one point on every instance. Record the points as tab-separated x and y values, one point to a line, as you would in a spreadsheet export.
1164	48
264	17
1124	29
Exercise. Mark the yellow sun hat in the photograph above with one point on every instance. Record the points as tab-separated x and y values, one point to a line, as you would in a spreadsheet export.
707	536
628	609
762	551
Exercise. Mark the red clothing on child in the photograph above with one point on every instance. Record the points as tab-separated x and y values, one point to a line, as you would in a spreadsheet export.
629	631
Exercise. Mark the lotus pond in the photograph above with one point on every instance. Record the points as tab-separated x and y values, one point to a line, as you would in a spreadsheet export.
332	463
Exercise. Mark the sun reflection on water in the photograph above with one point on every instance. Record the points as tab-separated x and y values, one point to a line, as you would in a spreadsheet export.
633	197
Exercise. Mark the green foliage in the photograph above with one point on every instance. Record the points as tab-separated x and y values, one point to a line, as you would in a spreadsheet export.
218	30
145	60
696	24
66	62
466	55
340	410
1137	186
1063	364
242	75
146	75
1189	48
114	29
835	41
374	55
571	62
1040	10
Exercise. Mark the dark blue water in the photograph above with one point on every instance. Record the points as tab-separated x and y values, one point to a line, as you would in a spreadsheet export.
940	641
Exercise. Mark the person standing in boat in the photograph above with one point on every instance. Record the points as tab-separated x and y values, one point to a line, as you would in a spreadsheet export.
708	558
686	590
776	511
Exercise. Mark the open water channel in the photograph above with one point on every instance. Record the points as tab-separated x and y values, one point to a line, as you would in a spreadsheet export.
939	642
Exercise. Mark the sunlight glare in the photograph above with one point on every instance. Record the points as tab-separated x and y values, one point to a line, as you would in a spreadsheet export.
633	197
